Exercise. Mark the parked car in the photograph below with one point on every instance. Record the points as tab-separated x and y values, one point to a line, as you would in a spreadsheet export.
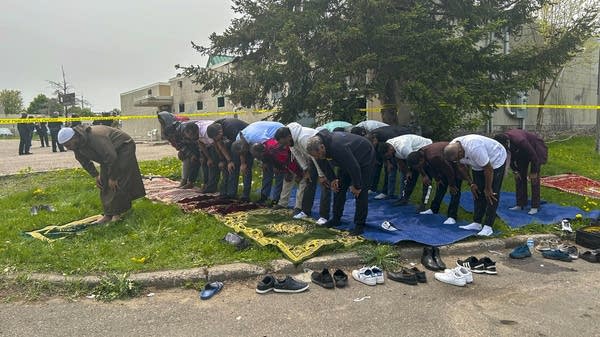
5	132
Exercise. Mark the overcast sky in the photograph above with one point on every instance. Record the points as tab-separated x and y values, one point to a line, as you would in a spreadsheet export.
106	47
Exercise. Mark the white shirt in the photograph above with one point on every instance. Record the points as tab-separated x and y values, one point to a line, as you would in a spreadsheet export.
202	126
481	150
300	135
371	125
405	144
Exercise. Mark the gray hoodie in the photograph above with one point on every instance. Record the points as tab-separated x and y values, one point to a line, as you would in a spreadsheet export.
300	135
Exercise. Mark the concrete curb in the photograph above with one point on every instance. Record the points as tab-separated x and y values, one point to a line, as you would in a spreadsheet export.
245	271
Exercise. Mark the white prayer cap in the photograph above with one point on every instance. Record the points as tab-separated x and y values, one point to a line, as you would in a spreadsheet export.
65	134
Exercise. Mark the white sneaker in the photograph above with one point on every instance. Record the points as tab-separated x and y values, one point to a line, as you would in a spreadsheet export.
300	215
378	273
450	221
380	196
429	211
486	231
566	226
364	275
466	273
451	276
532	211
516	208
321	221
388	226
473	226
372	192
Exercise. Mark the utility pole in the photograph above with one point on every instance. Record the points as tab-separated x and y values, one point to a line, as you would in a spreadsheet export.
598	103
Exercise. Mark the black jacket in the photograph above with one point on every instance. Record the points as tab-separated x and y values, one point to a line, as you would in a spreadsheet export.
386	133
350	152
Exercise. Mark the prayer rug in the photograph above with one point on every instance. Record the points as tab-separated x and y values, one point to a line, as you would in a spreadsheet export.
53	233
573	183
297	239
548	213
406	223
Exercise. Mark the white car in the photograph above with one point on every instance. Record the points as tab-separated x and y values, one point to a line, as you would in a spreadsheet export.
5	132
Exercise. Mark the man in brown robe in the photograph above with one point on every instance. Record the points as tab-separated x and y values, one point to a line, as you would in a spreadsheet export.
119	179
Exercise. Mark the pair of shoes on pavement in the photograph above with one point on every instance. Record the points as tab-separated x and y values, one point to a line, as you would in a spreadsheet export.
571	250
592	256
485	265
411	276
482	230
555	254
369	275
431	259
458	276
286	285
328	281
520	252
546	245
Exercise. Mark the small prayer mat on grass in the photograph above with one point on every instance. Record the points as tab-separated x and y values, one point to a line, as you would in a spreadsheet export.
53	233
573	183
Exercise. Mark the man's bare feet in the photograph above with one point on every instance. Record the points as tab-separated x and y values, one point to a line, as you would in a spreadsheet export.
103	219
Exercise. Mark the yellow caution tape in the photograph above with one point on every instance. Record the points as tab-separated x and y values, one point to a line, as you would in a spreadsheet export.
223	113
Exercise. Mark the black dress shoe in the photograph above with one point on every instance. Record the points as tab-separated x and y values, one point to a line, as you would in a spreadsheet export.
421	276
405	276
427	259
324	279
438	259
340	278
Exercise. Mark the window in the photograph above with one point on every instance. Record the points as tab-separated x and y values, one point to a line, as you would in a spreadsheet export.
180	84
149	92
181	107
199	105
220	102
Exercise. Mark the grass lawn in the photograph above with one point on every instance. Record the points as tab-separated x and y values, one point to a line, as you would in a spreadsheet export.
157	236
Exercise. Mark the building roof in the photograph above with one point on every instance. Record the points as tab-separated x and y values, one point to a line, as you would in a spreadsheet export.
218	59
145	87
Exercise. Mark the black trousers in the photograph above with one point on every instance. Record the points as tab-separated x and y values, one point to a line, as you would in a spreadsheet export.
440	192
482	206
54	139
362	201
310	191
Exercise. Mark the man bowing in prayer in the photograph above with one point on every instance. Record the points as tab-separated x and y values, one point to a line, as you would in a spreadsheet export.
119	179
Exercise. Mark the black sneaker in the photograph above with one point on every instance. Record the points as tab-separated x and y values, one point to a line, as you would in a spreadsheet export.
267	284
472	263
324	279
489	266
405	276
290	285
340	278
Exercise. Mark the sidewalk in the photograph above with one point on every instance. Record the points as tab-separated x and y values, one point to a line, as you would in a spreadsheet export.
245	271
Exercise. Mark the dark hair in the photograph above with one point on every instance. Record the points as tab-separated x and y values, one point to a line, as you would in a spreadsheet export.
414	157
359	130
502	139
382	148
257	150
213	130
191	127
282	133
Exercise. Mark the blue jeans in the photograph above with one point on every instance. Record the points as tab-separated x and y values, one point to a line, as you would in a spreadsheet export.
268	191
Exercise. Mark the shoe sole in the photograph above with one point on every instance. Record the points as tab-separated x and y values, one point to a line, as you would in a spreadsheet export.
264	291
290	290
364	281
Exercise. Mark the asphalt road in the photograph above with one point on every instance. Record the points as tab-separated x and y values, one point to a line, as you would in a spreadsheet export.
43	159
534	297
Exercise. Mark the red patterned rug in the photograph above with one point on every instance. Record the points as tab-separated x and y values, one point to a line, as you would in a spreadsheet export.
190	200
573	183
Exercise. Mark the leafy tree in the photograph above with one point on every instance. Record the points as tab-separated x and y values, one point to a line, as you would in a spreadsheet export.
11	101
441	62
39	104
76	110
